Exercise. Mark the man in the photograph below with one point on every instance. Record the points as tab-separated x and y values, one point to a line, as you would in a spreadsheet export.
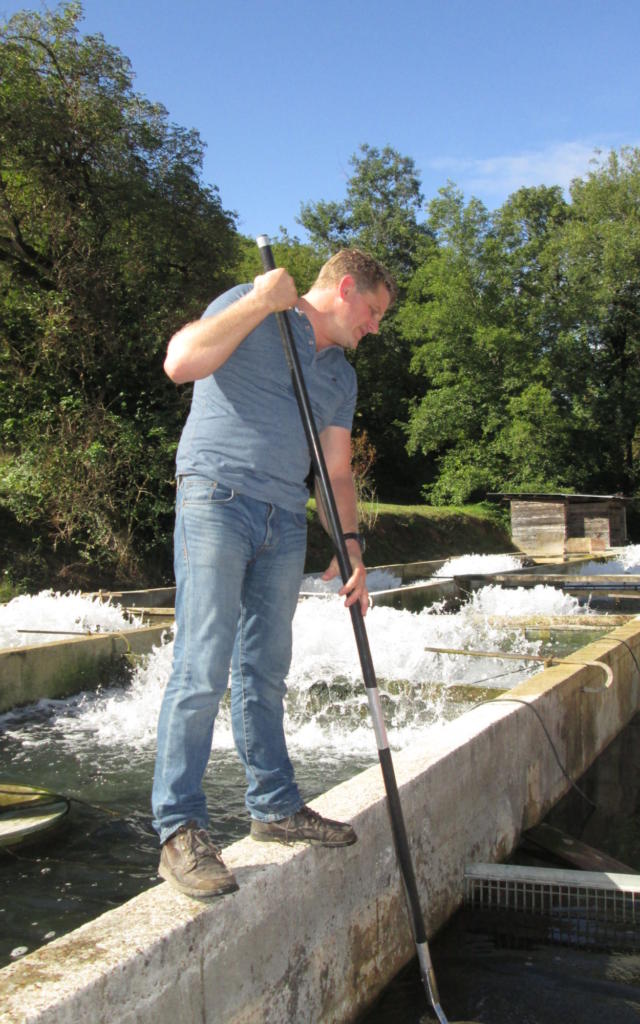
240	542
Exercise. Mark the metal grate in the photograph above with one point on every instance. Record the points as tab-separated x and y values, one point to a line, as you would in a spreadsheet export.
588	909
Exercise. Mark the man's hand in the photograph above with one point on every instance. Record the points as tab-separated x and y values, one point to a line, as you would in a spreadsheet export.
355	589
276	290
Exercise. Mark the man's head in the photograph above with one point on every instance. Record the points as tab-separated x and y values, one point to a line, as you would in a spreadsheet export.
349	297
366	271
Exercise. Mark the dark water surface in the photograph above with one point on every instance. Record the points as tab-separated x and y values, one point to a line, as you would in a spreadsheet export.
106	851
503	977
479	981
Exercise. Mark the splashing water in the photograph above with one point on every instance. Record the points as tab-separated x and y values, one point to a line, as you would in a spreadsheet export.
35	619
629	558
626	561
377	579
326	703
100	747
384	579
469	564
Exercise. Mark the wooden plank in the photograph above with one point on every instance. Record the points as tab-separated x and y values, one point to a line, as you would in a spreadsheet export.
601	582
151	613
538	525
573	851
554	621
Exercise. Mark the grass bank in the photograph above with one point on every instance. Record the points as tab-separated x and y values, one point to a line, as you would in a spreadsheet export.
394	533
415	533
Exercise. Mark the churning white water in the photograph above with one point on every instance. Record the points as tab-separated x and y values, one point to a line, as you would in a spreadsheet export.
35	619
377	579
626	560
478	563
629	559
326	705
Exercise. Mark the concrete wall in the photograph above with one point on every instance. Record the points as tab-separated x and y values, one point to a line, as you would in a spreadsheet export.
62	667
314	934
57	669
154	597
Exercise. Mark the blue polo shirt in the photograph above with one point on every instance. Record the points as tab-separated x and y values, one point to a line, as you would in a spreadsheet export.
244	429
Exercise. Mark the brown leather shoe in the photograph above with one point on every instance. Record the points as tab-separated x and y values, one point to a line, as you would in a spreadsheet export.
192	864
305	826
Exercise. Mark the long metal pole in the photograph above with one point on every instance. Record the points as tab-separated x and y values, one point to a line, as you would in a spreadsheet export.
394	807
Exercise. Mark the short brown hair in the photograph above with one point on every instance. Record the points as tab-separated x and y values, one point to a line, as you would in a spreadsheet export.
366	271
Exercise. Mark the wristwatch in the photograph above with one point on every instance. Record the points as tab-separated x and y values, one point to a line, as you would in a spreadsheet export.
356	536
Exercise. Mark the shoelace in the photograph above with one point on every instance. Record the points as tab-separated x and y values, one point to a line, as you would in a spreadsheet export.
201	843
307	812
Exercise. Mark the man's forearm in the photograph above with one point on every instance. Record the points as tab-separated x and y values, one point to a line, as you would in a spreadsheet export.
344	494
202	346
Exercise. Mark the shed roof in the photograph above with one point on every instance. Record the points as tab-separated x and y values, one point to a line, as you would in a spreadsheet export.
564	497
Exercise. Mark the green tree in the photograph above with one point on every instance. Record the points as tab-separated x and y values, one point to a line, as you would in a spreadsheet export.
527	332
445	318
303	261
478	316
380	214
596	257
108	241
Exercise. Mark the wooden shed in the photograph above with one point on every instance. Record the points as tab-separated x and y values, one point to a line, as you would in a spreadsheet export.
556	524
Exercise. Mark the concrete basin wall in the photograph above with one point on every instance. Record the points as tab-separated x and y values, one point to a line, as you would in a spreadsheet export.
314	934
63	667
60	668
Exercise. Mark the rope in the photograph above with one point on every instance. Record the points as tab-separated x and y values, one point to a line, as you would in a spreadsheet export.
517	700
527	704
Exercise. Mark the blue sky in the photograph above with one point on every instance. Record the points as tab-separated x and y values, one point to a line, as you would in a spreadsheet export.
491	94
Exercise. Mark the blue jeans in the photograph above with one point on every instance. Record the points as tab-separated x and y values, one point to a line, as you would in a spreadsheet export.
238	566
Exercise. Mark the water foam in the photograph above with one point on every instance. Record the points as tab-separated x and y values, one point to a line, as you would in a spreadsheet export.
38	618
326	703
468	564
377	579
629	558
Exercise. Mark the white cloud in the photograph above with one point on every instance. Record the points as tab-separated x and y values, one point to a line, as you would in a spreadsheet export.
495	178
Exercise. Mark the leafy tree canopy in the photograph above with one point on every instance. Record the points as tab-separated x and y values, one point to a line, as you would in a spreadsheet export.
108	240
525	326
511	359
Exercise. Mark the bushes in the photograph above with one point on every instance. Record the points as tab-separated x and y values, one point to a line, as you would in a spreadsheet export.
97	486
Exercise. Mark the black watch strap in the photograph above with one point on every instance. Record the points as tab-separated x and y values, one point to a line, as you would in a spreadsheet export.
356	536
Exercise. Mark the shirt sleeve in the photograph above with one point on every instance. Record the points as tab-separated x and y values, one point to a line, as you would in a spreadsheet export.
345	410
226	299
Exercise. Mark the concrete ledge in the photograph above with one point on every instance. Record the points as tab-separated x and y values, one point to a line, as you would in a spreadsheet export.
408	572
414	597
155	597
314	935
57	669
